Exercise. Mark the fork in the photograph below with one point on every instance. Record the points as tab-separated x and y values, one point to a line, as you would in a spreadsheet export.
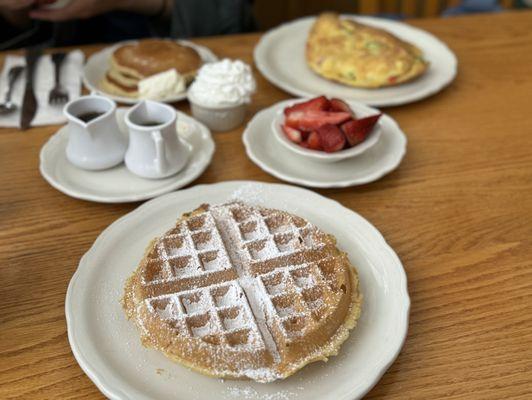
58	95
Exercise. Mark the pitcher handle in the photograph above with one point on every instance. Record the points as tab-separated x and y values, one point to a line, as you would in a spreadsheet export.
160	158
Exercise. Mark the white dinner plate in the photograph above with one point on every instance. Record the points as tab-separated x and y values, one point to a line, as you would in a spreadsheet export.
280	57
98	64
108	348
117	184
264	149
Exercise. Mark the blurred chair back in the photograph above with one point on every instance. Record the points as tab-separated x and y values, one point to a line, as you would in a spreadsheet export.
270	13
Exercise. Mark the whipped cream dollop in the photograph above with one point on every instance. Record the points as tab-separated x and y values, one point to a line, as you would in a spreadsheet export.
223	83
162	86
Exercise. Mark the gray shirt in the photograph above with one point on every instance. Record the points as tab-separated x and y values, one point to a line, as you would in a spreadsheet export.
210	17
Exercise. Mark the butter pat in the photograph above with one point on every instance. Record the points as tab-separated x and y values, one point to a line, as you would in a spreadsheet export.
162	86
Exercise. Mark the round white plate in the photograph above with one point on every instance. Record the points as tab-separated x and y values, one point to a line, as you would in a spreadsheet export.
280	57
265	150
98	64
118	185
108	348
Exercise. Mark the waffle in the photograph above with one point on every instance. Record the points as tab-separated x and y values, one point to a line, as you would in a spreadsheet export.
237	291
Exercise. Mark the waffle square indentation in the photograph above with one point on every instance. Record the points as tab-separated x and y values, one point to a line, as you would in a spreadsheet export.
262	249
287	242
173	245
196	223
249	230
284	305
194	302
182	266
203	240
233	318
240	214
202	325
226	296
278	224
275	283
211	260
303	277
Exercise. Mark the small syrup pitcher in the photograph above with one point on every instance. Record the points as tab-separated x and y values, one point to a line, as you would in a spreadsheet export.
94	138
155	150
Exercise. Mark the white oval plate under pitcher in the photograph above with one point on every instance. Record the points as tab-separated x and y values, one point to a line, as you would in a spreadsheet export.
118	185
98	64
280	57
264	149
108	348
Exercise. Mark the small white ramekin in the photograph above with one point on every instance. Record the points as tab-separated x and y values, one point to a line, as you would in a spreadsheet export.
219	118
320	156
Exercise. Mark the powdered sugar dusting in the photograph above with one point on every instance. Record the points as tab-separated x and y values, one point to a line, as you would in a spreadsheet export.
233	320
304	281
271	282
194	304
225	298
248	393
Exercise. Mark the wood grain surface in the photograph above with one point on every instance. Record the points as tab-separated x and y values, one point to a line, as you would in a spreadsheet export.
458	211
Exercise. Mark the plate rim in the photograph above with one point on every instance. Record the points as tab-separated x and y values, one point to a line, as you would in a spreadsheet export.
386	102
126	100
209	148
116	393
246	138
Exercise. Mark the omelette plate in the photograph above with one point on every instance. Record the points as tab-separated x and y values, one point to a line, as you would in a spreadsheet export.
280	57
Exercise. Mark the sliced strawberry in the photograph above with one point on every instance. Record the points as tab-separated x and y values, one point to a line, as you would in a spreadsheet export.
352	133
357	130
292	134
340	106
317	104
331	138
312	120
313	141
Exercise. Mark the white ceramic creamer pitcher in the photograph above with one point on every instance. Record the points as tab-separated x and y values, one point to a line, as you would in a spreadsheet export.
94	138
155	150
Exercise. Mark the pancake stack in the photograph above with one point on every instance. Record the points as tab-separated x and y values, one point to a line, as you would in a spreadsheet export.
131	63
239	291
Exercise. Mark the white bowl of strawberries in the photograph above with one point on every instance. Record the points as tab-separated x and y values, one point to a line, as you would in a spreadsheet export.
326	130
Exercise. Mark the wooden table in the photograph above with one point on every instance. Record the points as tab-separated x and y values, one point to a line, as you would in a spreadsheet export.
458	211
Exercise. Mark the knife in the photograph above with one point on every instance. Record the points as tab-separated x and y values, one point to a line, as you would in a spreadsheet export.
29	102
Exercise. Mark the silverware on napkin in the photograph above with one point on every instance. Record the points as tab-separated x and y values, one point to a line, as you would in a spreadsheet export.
29	102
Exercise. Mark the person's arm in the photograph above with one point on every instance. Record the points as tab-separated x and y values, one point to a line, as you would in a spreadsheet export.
15	12
80	9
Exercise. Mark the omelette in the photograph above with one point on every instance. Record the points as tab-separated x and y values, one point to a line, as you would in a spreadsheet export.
358	55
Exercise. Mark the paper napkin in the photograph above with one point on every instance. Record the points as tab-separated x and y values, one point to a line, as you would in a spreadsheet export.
44	81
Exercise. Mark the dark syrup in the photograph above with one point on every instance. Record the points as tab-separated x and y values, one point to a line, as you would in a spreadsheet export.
89	116
150	123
